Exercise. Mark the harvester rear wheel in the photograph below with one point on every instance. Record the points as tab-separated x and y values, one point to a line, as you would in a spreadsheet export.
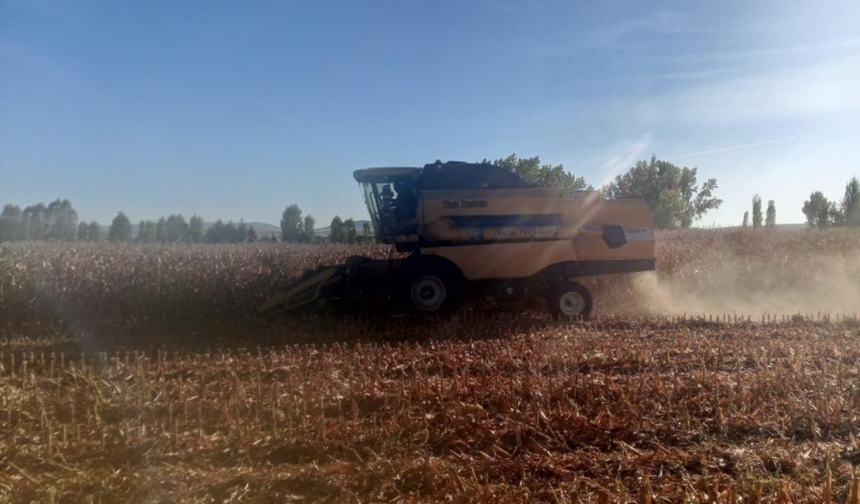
569	301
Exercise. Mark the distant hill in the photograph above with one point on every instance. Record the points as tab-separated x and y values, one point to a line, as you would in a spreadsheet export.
262	229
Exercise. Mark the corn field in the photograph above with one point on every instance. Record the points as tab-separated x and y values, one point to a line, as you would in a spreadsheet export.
145	282
133	374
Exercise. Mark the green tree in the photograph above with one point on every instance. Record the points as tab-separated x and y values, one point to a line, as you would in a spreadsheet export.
366	231
68	221
309	224
851	203
230	232
10	224
241	235
671	192
26	223
819	211
161	230
196	229
120	228
532	171
216	233
83	231
151	232
61	220
757	215
227	233
141	233
746	219
349	231
291	224
336	231
252	234
94	232
52	215
34	223
770	219
669	210
146	232
176	228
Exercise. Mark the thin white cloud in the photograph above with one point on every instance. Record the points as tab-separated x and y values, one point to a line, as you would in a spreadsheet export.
624	32
763	142
827	48
735	147
826	87
696	74
662	23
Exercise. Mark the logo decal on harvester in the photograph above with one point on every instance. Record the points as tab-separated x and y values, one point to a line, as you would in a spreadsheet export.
630	233
527	232
638	234
464	203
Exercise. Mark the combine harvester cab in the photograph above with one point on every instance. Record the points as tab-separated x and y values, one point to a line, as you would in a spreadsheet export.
480	230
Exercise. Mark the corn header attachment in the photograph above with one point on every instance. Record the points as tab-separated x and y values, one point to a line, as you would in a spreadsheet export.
359	282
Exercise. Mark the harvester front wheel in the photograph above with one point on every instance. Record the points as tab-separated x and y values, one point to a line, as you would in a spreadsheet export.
432	288
569	301
428	293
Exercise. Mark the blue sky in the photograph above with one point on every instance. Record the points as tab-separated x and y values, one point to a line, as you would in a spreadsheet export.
235	109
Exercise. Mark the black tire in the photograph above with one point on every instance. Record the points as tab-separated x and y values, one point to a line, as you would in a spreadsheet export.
569	301
432	288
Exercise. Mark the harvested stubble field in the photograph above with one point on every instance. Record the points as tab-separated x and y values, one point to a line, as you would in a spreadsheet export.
132	374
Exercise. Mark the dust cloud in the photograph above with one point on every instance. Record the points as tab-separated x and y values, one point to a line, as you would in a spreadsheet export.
742	272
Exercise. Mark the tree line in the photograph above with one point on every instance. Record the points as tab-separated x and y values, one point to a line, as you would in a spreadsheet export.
673	193
822	213
174	229
295	228
58	221
769	220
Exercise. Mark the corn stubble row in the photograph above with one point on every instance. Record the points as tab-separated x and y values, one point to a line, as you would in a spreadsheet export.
503	409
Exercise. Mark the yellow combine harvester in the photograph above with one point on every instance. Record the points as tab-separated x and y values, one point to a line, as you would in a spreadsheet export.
479	230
